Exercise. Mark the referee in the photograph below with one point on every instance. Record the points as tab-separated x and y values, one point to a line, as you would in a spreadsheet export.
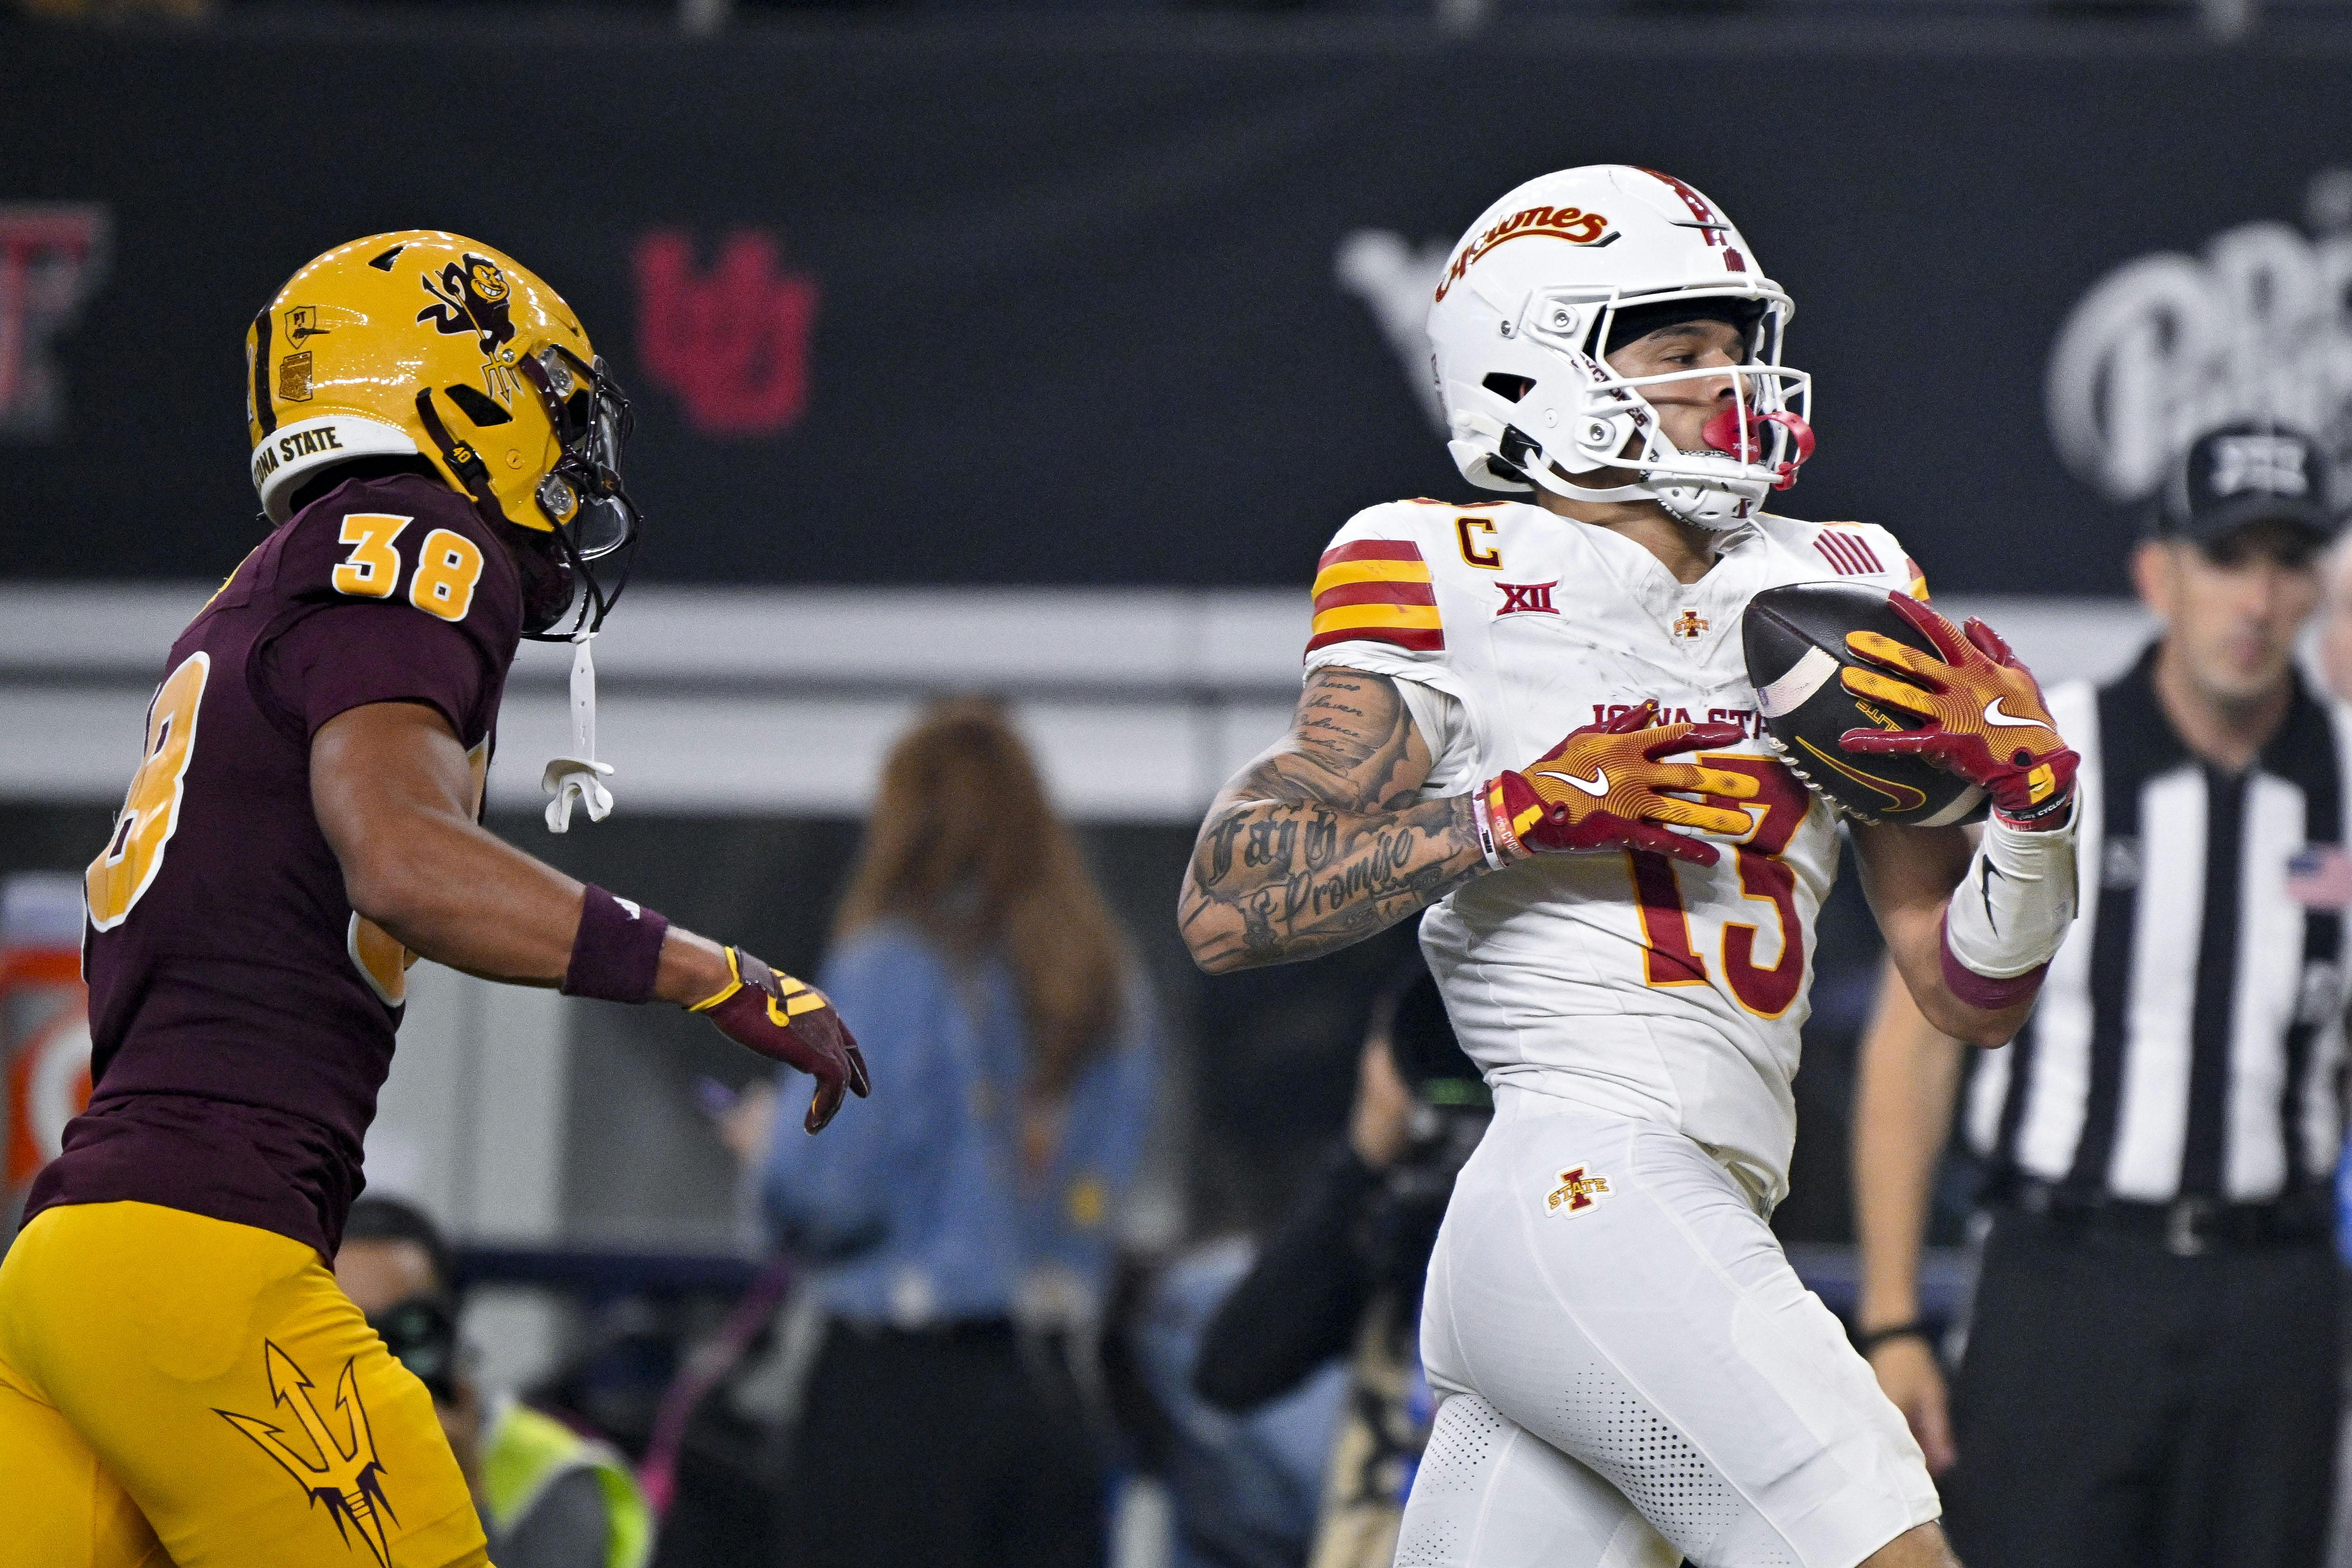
2151	1368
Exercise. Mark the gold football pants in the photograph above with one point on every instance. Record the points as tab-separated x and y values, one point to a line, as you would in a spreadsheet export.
179	1390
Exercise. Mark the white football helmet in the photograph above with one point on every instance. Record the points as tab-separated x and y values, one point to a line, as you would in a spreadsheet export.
1518	331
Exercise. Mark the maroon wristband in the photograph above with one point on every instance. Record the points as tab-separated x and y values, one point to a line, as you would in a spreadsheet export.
1983	992
617	951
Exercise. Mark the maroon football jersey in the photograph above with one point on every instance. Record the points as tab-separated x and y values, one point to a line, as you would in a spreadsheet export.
241	1013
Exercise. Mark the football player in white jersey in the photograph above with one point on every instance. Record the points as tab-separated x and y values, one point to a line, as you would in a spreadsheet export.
1622	920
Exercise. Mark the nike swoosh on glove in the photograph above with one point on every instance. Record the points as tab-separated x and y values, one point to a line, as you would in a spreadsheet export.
789	1021
1985	718
1599	789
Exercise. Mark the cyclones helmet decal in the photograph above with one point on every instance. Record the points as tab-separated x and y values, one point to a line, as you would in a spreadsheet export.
1520	335
1574	224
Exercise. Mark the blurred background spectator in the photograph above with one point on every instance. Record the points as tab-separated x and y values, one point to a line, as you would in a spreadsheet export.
1341	1276
549	1497
1244	1489
960	1239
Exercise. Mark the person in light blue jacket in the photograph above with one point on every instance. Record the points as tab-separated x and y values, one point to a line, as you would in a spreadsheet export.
959	1238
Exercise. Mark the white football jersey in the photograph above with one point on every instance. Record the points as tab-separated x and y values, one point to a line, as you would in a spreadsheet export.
1623	979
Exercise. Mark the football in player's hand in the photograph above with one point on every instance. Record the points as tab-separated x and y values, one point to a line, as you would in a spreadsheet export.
1794	640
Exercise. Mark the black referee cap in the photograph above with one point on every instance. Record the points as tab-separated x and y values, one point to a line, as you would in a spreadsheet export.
2249	472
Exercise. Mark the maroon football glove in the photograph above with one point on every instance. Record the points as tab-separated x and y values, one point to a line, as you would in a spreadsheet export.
1985	718
1598	789
789	1022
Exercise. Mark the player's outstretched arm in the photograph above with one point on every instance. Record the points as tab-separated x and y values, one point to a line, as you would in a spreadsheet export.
394	795
1323	840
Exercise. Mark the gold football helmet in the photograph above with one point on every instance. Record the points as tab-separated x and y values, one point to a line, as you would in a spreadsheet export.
431	345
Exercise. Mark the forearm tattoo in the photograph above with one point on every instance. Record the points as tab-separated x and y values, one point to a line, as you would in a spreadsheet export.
1323	840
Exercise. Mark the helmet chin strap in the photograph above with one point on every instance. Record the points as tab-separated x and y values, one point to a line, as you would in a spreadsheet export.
1560	485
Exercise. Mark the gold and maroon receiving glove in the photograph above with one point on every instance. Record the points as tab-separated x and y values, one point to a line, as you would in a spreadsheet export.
1598	789
789	1022
1985	718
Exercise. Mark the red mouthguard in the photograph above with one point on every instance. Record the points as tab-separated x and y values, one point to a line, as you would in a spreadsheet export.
1725	433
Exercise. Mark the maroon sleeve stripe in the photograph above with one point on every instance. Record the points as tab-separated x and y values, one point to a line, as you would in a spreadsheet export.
1371	550
1374	594
1416	641
1852	557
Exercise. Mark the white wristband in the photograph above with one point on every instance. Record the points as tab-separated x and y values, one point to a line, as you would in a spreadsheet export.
2012	909
1495	840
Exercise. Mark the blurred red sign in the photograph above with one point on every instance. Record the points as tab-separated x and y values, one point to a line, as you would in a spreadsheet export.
44	1026
48	1086
731	343
52	258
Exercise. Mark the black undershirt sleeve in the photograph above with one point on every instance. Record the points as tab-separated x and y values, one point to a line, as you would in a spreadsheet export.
1298	1306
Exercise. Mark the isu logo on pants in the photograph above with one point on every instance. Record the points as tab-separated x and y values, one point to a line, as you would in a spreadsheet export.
1576	1192
346	1474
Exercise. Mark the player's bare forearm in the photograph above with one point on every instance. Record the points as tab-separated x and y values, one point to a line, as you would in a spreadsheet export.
1273	882
394	795
1324	840
1908	874
1907	1077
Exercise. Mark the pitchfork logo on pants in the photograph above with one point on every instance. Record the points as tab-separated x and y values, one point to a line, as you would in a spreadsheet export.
345	1474
52	258
2168	346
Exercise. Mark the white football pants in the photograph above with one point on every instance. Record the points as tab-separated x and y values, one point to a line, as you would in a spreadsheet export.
1632	1372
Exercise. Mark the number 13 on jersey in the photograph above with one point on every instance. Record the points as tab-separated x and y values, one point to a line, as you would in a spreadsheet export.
1669	958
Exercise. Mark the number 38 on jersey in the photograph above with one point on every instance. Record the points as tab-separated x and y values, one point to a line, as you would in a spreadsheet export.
448	565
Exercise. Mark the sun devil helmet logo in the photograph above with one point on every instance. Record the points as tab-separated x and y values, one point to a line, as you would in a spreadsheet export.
337	1465
471	296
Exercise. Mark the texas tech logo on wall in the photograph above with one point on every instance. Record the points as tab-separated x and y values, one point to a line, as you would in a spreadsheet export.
52	259
2170	345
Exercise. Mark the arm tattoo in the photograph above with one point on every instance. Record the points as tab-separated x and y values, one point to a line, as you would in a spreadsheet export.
1324	840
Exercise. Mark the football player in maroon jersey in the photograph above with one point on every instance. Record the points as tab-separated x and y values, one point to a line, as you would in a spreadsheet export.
438	446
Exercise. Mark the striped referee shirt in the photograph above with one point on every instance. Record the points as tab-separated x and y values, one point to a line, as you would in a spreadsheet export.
2189	1032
